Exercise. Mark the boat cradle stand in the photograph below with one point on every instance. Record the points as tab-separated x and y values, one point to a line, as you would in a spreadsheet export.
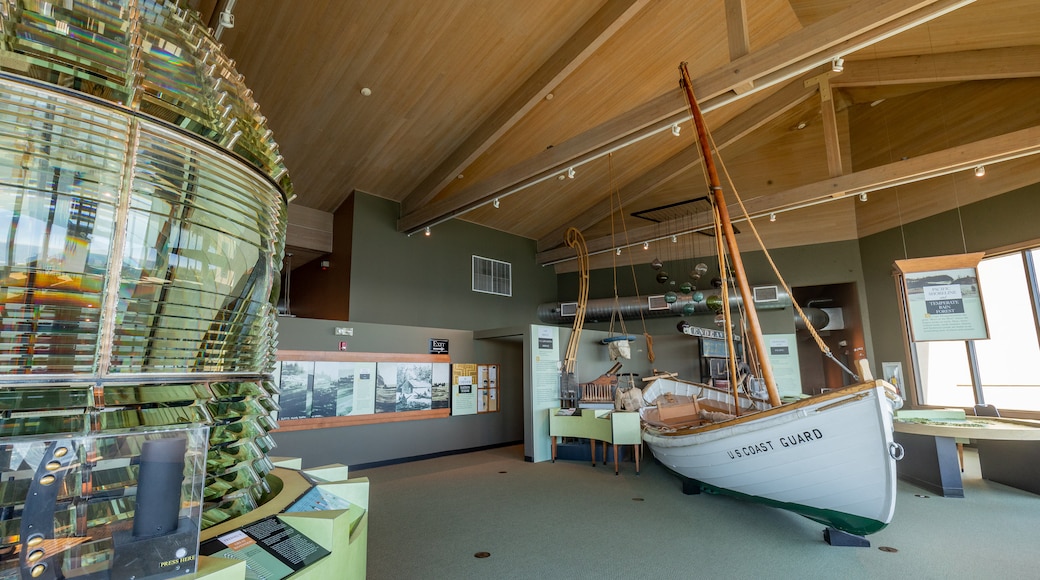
836	537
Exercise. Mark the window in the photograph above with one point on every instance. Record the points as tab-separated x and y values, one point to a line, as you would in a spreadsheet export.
492	276
1001	365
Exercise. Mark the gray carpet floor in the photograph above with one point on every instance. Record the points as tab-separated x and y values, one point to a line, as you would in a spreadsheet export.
429	519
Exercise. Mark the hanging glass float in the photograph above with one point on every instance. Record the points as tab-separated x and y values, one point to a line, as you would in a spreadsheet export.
686	288
714	302
662	276
716	282
698	296
670	297
673	285
689	308
656	264
698	271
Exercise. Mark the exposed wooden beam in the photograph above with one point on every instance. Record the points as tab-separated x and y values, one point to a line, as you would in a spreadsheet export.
309	229
971	65
737	32
845	32
589	38
790	96
830	123
961	158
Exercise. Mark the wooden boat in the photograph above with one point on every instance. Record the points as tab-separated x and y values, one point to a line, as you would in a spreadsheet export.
829	457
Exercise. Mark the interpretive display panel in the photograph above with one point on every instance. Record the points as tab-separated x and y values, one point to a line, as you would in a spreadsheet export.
323	389
464	400
141	491
271	549
942	298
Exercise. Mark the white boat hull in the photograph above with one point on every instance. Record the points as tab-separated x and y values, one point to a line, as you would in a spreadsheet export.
829	458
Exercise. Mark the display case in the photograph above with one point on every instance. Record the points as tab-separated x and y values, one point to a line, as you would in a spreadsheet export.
116	505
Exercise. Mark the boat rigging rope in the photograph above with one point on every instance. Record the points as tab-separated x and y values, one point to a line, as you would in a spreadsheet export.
575	240
776	271
617	305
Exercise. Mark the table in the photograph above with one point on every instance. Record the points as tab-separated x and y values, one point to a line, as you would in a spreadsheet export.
1009	452
614	427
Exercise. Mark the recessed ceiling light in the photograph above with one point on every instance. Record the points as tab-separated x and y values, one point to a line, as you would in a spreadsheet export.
366	92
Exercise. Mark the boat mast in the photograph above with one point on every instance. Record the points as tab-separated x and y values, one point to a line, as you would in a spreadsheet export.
754	328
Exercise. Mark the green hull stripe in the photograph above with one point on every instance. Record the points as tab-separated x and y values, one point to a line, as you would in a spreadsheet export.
852	524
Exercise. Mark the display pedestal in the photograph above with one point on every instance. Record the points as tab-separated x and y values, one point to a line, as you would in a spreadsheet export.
343	532
613	427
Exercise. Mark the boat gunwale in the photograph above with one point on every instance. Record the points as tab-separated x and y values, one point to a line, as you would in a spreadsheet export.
803	403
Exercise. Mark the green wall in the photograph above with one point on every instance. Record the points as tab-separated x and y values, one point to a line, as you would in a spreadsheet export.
426	281
367	444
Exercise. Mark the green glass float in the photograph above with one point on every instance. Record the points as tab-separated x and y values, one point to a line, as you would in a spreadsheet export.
686	288
670	297
714	303
688	309
128	136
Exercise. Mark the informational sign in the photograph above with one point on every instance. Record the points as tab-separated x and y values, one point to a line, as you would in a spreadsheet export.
946	303
463	390
271	548
438	346
783	357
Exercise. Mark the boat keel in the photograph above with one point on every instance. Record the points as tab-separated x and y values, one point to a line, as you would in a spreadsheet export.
836	537
689	486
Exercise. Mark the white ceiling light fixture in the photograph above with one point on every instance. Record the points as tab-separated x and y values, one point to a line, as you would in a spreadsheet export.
427	231
366	92
619	251
676	128
837	64
675	239
863	196
772	217
495	203
646	245
571	173
980	171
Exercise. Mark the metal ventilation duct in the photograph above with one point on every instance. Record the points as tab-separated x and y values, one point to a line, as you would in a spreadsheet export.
654	306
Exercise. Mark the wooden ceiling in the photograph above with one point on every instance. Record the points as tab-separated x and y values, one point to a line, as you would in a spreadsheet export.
474	101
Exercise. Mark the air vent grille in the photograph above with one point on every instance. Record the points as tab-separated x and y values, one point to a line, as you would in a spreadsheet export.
492	276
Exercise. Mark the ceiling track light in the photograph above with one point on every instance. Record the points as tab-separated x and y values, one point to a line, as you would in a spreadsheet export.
427	231
675	239
571	173
863	196
772	217
837	64
619	251
676	129
980	171
646	245
495	203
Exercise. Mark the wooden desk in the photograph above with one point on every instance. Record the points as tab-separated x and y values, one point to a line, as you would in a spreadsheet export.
614	427
1009	452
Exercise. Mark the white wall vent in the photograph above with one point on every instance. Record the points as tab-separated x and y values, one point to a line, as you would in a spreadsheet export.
492	276
766	293
656	302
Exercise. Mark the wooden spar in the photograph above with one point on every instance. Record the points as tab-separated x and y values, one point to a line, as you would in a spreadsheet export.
731	243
